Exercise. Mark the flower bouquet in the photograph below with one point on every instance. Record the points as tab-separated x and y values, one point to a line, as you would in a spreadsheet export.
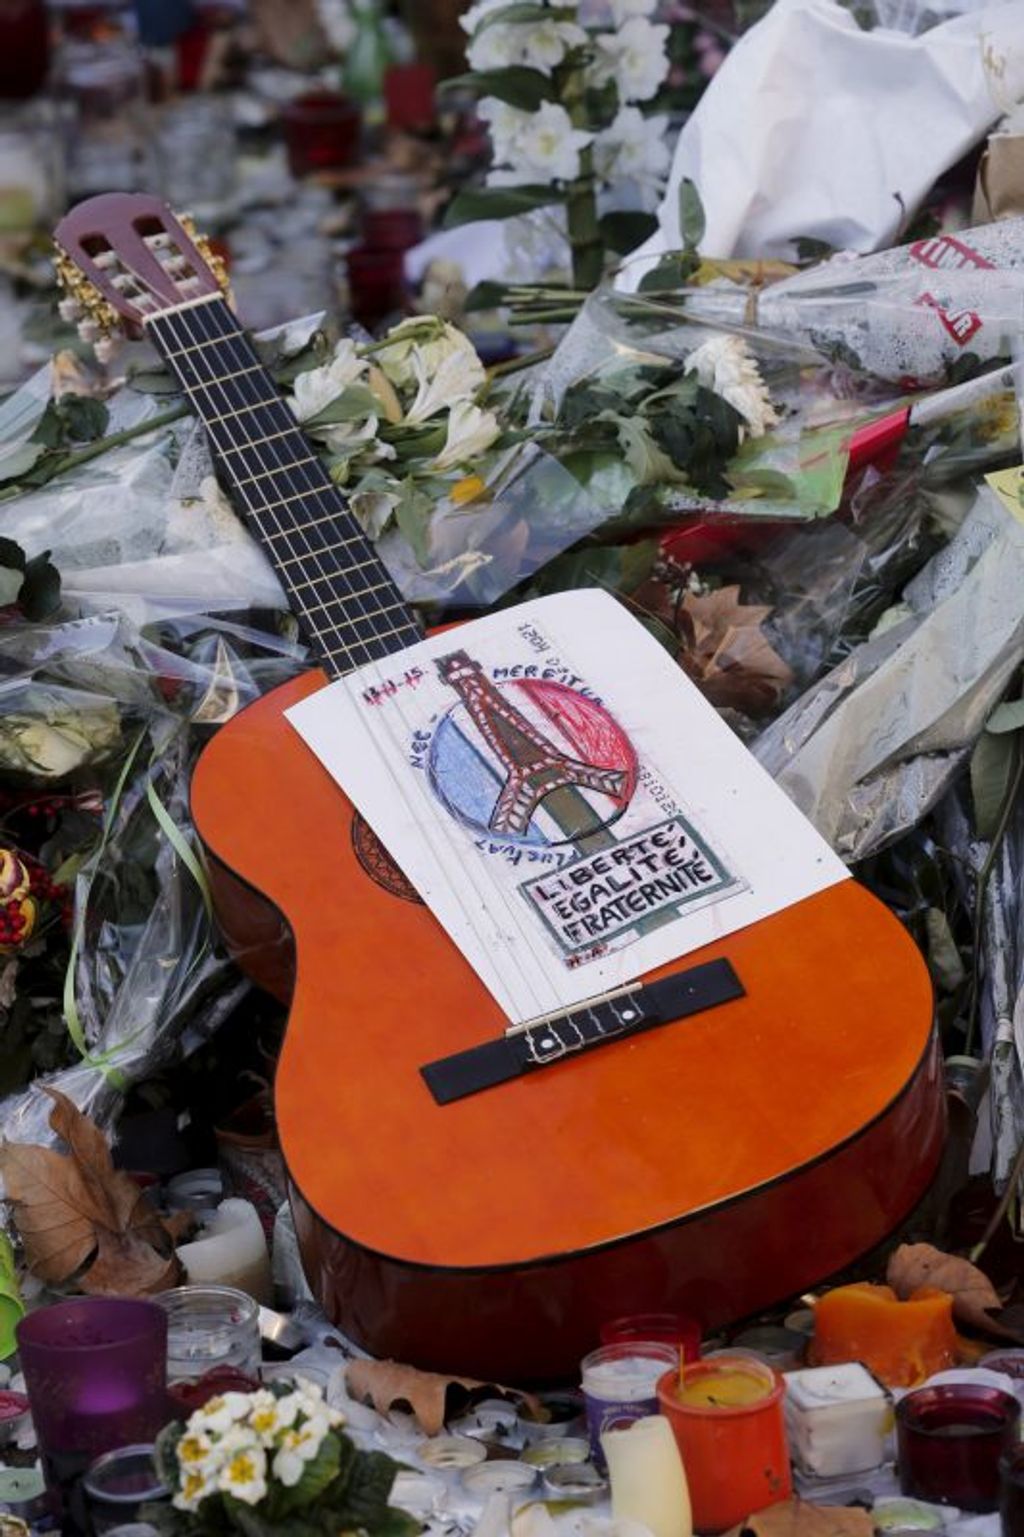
276	1460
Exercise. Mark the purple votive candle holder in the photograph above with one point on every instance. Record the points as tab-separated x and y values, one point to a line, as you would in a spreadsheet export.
96	1374
950	1440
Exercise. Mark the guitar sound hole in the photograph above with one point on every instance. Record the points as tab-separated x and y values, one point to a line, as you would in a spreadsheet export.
378	864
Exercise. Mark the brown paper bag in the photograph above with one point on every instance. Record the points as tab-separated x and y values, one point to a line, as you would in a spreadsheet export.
999	188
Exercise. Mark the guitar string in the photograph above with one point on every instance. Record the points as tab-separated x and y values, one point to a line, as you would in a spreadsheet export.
486	893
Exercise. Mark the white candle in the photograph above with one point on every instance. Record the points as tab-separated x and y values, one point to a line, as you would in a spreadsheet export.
231	1251
648	1481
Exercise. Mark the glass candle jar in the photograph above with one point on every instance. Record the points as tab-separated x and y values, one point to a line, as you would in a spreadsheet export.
119	1484
726	1412
677	1329
949	1443
620	1384
322	130
95	1369
210	1327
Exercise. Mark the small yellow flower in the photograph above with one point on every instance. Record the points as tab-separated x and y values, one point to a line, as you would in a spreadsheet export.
468	490
193	1449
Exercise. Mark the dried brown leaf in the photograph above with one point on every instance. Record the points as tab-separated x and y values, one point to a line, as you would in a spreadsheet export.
975	1299
797	1518
72	1206
432	1397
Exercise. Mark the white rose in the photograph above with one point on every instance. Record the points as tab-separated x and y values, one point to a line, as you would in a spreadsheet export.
635	58
470	432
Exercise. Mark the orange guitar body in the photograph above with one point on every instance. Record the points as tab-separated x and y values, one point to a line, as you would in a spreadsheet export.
715	1165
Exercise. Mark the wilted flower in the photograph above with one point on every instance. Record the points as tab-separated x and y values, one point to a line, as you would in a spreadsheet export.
18	908
373	510
431	339
457	378
470	432
51	742
724	365
315	389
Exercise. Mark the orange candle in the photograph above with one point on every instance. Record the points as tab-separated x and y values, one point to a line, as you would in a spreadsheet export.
901	1342
726	1413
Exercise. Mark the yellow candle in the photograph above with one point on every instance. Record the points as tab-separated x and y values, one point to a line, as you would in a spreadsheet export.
727	1389
648	1482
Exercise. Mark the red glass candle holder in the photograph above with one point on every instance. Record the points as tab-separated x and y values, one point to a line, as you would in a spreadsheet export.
96	1373
950	1441
321	132
409	93
677	1329
735	1453
24	47
377	285
392	229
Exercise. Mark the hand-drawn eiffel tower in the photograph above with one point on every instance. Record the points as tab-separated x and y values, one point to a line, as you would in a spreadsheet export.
534	767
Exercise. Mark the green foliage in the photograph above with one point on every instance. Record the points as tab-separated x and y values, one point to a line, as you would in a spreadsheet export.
354	404
692	222
517	86
524	11
673	271
500	202
624	231
413	515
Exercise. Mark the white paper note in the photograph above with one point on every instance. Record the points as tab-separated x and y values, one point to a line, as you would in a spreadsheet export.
563	798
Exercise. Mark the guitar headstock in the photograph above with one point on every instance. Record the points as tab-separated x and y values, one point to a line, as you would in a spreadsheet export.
124	256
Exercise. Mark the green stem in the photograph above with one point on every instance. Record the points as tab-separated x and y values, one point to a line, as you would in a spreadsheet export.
981	893
101	446
581	208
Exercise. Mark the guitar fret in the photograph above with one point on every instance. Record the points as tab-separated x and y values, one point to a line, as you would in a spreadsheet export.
300	528
358	619
239	373
329	549
281	470
329	605
298	496
226	416
274	437
214	341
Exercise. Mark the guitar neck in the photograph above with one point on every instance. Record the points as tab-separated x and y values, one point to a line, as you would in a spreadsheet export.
341	593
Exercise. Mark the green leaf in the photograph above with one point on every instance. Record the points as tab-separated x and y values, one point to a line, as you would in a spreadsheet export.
517	86
944	959
368	1487
317	1475
165	1453
413	515
86	418
17	461
153	381
500	202
354	404
40	593
1008	716
673	271
50	430
692	223
624	231
508	14
993	763
12	556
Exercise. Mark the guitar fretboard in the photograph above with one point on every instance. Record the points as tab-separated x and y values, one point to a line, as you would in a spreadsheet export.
346	602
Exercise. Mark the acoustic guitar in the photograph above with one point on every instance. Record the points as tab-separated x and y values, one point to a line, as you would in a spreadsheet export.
762	1113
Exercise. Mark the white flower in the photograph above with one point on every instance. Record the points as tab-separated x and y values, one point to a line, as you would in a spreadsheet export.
634	148
244	1474
458	378
352	437
495	47
317	387
373	510
548	147
470	432
505	124
297	1447
545	43
476	13
268	1415
724	365
635	58
218	1415
195	1486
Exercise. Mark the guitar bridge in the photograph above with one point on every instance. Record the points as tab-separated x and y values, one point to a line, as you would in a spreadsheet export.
550	1038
